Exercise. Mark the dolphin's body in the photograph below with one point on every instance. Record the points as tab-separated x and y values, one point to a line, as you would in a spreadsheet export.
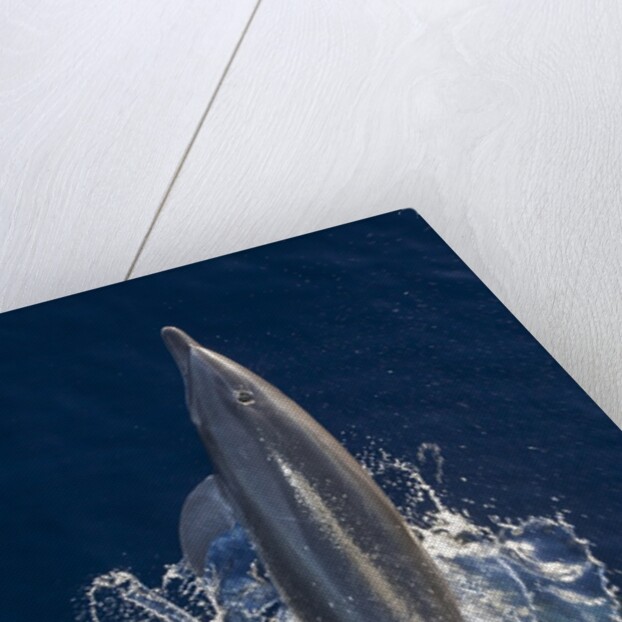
333	544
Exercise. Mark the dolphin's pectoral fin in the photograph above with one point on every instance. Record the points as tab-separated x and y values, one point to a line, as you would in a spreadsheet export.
206	514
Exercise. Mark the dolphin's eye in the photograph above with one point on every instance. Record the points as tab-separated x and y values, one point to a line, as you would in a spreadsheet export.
244	397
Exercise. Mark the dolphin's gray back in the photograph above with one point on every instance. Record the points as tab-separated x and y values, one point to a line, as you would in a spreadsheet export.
331	540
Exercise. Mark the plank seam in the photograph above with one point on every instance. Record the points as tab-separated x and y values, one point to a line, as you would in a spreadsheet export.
184	157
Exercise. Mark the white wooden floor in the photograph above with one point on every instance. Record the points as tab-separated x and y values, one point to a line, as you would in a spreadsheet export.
139	136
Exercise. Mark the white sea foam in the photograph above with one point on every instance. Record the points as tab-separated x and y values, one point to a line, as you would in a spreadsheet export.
534	569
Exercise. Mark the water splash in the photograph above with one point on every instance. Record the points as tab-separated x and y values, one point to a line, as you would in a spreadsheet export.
531	570
235	588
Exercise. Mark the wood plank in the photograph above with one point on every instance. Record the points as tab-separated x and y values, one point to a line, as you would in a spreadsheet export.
98	102
499	121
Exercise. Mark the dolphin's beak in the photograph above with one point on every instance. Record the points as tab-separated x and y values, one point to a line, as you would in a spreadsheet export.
206	365
212	372
179	345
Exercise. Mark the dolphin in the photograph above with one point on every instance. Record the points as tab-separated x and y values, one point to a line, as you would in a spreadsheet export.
334	546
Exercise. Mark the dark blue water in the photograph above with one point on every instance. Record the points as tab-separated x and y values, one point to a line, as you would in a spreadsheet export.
383	335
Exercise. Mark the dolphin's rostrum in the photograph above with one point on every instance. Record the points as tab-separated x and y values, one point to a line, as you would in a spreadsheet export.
333	544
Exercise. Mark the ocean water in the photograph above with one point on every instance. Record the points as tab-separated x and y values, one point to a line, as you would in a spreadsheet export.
504	468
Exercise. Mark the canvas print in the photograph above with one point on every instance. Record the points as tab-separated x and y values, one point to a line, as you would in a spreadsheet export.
343	427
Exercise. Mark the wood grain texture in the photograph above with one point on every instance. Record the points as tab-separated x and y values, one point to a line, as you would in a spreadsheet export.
98	102
499	121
